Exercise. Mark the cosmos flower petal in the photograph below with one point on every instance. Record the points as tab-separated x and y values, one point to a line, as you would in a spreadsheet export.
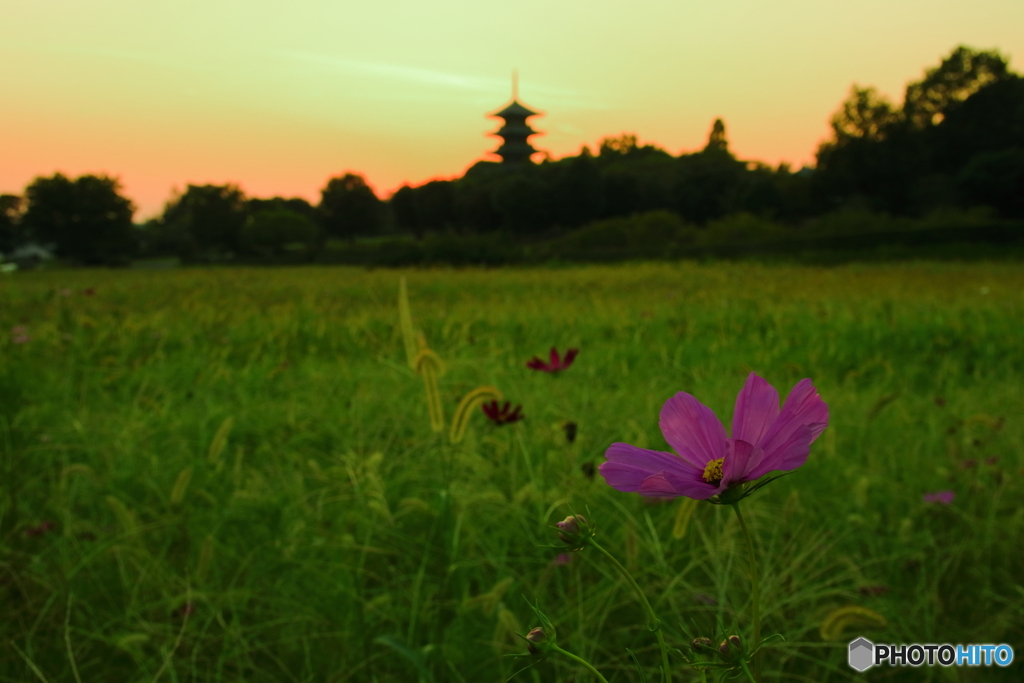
663	485
570	356
692	429
740	458
803	407
757	406
787	455
554	358
654	461
658	486
941	497
628	466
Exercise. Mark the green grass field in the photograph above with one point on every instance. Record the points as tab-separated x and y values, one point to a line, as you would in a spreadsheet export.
242	483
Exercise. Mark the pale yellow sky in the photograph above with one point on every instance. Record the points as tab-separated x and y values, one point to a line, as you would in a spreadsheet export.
278	97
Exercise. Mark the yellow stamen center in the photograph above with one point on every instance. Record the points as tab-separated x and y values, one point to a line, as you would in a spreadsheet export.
713	471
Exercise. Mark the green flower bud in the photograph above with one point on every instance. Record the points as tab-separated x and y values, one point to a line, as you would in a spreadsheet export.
536	637
570	532
699	644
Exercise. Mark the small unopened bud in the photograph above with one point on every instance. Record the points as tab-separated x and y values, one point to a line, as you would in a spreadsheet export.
731	648
535	637
569	530
699	644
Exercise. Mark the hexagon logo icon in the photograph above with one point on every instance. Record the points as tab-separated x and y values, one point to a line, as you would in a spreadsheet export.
862	654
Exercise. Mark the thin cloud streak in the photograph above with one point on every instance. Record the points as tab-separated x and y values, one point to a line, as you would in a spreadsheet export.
562	97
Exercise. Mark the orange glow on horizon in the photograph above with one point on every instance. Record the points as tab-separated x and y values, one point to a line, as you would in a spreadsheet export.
271	100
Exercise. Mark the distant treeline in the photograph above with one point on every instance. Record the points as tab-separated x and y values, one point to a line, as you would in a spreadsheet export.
954	146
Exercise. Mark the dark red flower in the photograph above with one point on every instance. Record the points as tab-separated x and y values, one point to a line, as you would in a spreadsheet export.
556	364
40	529
501	415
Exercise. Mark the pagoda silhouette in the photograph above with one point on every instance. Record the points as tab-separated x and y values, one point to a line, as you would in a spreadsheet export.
515	148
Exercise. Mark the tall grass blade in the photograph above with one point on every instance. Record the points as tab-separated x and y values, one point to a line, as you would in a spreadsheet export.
469	403
180	486
839	619
405	320
220	441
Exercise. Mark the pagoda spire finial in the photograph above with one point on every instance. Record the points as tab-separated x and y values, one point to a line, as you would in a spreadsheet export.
515	148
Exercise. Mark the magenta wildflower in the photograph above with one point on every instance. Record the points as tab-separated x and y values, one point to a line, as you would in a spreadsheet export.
557	364
764	439
502	415
940	497
561	559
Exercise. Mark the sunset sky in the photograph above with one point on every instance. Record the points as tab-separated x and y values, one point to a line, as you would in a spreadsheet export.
278	97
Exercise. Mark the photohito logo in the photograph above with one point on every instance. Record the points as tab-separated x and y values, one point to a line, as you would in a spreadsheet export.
864	654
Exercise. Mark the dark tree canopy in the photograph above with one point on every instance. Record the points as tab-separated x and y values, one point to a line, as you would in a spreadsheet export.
864	115
87	219
207	220
269	231
349	208
10	219
908	160
295	204
960	75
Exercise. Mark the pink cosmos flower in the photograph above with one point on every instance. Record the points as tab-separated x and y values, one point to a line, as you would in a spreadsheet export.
940	497
556	364
764	439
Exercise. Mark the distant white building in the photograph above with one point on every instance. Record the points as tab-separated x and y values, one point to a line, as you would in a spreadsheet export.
29	255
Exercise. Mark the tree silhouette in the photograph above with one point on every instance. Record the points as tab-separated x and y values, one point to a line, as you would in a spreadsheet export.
624	144
10	216
716	138
960	75
435	205
863	115
269	231
349	208
990	120
403	207
578	195
996	179
86	219
206	221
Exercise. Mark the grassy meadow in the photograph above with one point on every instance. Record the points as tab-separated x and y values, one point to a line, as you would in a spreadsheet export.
231	475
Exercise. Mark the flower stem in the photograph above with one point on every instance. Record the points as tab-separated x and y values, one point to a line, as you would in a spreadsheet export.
654	623
755	595
743	665
580	660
